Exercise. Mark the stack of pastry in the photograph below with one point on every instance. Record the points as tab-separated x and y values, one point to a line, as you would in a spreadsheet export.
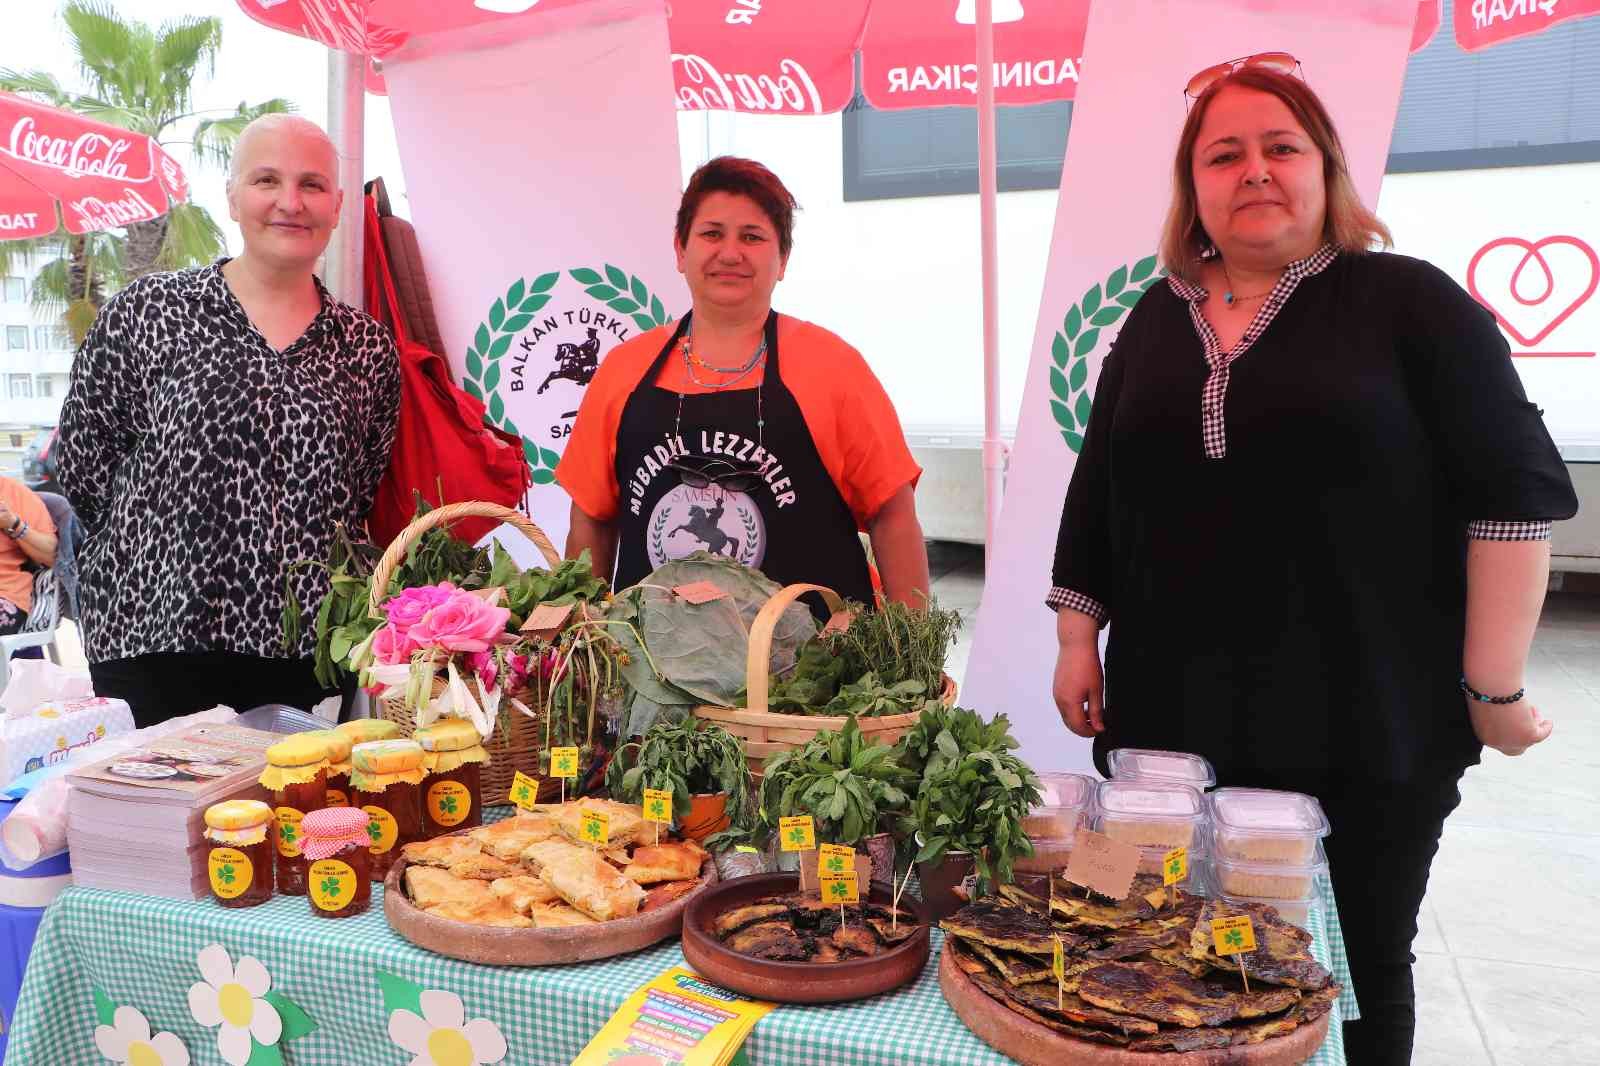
534	870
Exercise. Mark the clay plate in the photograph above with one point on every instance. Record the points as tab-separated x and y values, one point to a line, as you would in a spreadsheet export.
793	982
1035	1045
496	946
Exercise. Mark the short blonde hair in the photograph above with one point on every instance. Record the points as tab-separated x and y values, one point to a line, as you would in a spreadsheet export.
1347	224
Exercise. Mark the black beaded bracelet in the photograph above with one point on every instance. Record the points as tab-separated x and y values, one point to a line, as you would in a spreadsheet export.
1481	698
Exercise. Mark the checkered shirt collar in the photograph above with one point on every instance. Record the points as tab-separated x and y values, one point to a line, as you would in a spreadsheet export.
1315	263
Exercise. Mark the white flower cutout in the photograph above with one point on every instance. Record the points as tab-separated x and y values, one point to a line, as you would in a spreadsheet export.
127	1041
443	1036
231	998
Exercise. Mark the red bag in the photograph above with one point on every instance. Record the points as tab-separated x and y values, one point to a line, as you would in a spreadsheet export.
443	448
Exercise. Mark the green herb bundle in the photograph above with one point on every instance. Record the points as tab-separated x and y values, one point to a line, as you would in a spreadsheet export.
851	787
888	661
690	762
974	793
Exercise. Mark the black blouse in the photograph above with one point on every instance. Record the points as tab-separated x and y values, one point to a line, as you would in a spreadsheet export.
1298	603
203	462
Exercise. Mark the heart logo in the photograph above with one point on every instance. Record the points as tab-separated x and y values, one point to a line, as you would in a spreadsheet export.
1532	285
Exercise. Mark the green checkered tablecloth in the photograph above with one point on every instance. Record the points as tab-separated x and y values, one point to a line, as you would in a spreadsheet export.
141	951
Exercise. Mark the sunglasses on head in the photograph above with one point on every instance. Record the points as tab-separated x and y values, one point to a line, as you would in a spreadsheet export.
1282	62
731	477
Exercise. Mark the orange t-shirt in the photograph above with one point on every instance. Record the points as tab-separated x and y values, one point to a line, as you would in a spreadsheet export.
16	584
853	425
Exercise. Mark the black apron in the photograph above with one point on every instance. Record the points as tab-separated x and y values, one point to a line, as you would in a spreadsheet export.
793	525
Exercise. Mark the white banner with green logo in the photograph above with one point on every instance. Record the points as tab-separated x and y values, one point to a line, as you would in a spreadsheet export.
543	178
1115	187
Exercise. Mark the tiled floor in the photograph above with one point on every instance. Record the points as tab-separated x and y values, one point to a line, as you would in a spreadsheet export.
1509	948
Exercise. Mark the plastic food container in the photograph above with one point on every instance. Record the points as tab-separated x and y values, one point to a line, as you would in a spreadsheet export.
1271	880
1260	825
1145	764
1194	882
1064	805
1293	911
1153	814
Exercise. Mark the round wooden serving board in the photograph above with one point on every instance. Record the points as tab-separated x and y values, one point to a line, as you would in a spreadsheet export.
793	982
1035	1045
496	946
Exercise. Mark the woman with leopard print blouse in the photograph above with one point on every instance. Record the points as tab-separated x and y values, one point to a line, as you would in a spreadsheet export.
220	421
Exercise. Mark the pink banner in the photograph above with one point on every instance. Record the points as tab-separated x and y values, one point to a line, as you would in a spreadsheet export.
1482	23
765	56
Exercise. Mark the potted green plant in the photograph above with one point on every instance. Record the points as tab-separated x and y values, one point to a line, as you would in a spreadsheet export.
970	802
852	788
704	768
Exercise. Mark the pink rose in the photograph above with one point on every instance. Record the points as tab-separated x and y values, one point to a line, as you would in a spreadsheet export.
406	609
391	645
463	622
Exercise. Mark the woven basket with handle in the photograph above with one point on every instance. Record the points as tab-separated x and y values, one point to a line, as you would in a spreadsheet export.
516	741
765	734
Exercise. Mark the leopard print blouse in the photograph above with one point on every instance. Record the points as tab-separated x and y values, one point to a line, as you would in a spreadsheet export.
204	463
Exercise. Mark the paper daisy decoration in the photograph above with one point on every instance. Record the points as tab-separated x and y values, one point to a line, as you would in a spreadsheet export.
127	1041
232	997
443	1037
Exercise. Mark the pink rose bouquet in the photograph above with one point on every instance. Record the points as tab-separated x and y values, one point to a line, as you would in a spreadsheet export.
408	607
462	622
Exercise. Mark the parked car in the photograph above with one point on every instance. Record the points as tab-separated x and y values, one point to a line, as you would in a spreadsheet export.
39	462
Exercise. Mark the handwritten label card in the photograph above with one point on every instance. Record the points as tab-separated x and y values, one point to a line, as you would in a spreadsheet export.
698	592
838	623
1103	865
798	833
547	619
524	791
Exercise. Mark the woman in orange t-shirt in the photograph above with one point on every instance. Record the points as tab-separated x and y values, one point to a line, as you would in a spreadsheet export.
29	537
702	438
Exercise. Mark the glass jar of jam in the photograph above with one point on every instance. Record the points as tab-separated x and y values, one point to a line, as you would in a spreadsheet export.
338	745
297	776
241	860
339	862
451	793
385	779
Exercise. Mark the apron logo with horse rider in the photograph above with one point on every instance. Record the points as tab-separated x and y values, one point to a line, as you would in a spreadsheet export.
712	519
542	342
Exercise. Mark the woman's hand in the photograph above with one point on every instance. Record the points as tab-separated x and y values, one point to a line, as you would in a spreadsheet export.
1509	728
1079	685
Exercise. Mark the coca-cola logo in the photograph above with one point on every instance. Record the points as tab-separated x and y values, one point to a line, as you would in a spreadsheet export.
702	87
90	153
96	213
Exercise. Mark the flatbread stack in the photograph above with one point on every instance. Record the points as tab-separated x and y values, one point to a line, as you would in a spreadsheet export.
1143	973
534	870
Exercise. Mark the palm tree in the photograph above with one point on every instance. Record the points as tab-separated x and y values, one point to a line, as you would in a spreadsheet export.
140	78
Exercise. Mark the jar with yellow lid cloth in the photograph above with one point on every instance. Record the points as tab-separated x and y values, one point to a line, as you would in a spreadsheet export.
385	780
297	775
454	757
241	860
363	730
338	744
340	870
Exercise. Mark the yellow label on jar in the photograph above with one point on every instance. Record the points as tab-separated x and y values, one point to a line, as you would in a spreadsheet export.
337	798
289	833
382	828
449	802
231	872
330	884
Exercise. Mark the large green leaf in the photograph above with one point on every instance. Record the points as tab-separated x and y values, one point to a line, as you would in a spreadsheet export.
515	293
1118	278
1073	322
585	276
1091	300
1078	375
1058	384
104	1009
1143	268
296	1022
400	994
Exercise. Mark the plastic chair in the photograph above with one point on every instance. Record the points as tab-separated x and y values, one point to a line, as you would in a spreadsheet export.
39	631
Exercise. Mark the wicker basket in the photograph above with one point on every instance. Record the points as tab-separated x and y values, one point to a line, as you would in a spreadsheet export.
765	733
517	739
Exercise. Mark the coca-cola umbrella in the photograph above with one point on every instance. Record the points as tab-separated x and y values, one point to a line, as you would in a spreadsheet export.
100	176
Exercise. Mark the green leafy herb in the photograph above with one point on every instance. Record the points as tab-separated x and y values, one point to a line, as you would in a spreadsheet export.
850	786
690	762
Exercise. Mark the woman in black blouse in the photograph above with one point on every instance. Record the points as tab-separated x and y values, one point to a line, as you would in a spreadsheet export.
1314	505
219	422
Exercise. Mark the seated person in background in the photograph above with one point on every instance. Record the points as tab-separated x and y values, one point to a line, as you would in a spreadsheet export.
30	537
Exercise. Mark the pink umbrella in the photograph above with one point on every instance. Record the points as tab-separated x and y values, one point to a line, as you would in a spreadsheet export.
103	177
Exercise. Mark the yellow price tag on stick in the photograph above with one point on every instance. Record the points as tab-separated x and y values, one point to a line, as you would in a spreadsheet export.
840	888
524	791
835	859
1174	866
1234	936
658	805
595	827
563	762
797	833
1058	965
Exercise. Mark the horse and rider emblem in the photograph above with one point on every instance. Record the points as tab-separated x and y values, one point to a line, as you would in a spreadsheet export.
574	362
709	519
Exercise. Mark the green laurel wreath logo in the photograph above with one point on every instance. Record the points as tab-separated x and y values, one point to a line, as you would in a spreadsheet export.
1103	305
510	314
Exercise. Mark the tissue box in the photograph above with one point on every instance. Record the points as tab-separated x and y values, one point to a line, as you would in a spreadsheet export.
55	729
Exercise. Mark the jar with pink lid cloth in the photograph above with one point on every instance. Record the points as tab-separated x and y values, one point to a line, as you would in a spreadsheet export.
339	861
